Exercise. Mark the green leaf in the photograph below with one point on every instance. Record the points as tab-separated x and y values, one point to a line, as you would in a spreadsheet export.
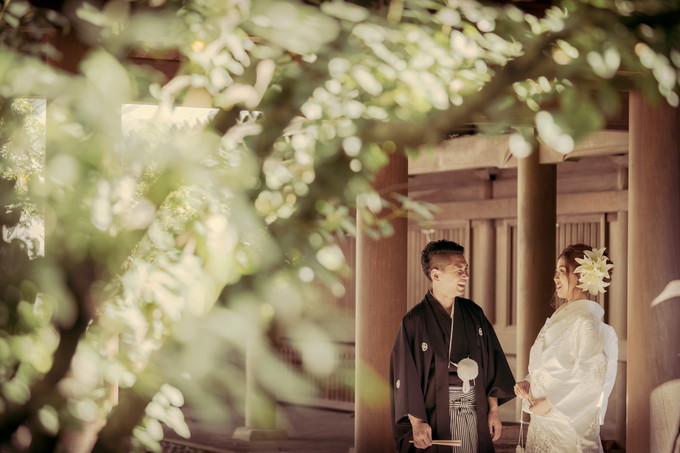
346	11
519	145
173	394
109	77
15	391
146	440
49	419
297	28
18	8
154	429
155	410
87	12
367	81
386	228
176	421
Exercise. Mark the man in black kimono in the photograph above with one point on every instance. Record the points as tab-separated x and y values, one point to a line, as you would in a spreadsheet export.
428	397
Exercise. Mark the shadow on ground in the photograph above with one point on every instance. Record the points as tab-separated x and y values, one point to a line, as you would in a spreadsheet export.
309	430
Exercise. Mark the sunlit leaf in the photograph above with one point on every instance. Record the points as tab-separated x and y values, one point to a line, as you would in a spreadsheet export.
174	395
154	429
331	257
345	10
108	76
149	442
297	28
519	146
49	419
448	16
15	391
366	80
552	134
89	13
386	229
175	420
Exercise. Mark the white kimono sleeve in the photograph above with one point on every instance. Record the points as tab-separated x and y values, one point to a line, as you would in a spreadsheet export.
575	385
611	351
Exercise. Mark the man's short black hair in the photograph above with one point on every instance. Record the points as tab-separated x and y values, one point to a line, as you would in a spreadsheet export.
436	253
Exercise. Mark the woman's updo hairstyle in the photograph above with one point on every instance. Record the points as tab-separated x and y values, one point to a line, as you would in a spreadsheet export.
570	253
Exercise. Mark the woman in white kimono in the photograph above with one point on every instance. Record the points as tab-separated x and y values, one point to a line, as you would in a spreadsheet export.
572	364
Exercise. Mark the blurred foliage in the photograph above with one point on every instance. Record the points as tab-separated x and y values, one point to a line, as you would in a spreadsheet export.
23	155
170	248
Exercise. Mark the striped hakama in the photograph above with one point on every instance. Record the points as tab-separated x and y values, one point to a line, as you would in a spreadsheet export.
463	412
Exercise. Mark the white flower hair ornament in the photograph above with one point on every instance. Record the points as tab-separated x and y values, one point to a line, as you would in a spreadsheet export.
593	270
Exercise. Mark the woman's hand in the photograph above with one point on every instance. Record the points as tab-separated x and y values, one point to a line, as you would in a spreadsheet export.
540	407
522	389
422	432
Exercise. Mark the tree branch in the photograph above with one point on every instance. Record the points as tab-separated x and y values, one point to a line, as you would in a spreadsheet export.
79	280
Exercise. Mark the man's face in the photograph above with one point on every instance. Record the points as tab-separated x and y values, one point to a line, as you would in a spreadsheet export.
452	279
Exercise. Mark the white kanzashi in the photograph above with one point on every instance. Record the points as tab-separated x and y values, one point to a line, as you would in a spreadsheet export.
593	270
467	371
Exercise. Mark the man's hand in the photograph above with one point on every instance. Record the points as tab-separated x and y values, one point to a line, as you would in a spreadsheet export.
494	419
422	432
540	407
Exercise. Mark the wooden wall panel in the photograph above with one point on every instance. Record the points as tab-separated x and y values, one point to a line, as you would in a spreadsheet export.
346	303
586	229
576	229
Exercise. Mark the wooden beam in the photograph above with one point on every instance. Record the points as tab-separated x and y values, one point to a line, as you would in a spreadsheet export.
477	151
587	203
503	208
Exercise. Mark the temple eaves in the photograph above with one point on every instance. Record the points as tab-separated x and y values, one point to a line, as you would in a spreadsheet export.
477	151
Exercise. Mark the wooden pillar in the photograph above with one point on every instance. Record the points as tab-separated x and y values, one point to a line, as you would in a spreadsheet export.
615	314
654	261
483	264
618	251
536	219
260	408
380	304
504	260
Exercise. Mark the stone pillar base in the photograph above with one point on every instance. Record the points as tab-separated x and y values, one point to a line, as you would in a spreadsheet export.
250	434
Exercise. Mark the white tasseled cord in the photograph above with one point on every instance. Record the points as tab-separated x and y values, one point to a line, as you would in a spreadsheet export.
520	441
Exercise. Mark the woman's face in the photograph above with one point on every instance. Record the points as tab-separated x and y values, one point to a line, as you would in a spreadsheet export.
565	281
